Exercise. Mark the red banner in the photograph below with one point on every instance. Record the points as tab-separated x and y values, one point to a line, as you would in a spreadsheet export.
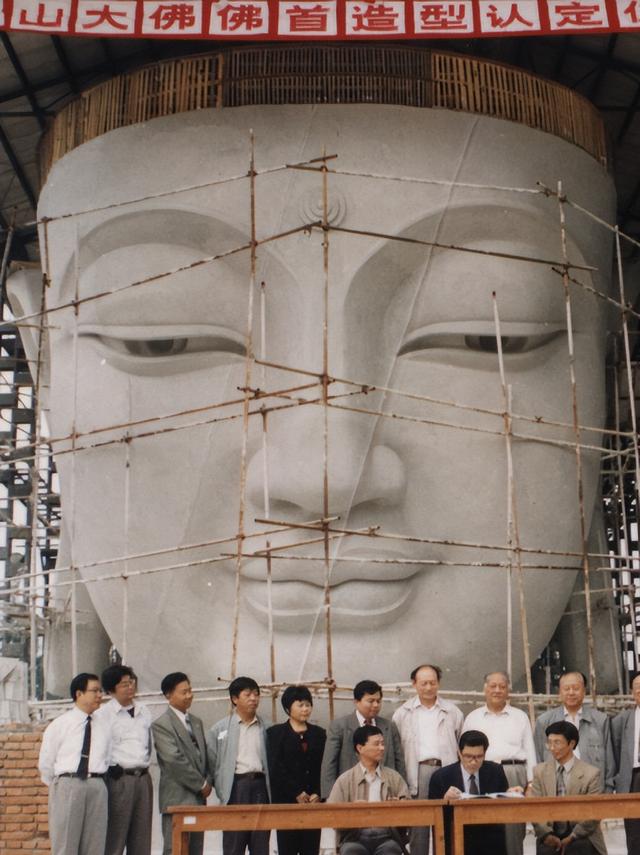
319	20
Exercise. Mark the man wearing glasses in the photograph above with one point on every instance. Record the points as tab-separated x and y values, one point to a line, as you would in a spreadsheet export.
74	757
566	775
128	781
472	775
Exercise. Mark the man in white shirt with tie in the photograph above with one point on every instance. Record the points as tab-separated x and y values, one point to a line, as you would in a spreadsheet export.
510	736
128	781
74	757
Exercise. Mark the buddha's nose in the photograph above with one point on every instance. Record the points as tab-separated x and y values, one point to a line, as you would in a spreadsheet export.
358	471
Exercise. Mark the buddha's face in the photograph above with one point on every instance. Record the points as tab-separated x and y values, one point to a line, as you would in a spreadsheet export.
154	362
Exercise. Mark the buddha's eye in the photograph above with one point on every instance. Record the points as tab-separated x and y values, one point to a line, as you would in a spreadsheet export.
489	343
165	349
478	338
157	346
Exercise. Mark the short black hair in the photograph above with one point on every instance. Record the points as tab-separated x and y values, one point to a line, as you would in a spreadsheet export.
172	680
435	668
112	675
566	729
473	739
240	684
295	693
366	687
361	734
80	683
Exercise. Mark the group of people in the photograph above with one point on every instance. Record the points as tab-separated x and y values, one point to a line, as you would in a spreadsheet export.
426	750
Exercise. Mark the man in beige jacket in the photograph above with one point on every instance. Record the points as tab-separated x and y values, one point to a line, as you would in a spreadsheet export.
566	775
368	781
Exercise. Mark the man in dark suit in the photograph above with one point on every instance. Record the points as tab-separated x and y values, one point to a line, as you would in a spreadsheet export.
182	757
625	732
472	775
339	755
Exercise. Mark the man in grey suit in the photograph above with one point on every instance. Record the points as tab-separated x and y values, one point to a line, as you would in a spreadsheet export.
595	745
339	754
182	757
625	732
237	749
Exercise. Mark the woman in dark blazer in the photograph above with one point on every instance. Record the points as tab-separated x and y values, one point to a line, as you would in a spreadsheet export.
294	752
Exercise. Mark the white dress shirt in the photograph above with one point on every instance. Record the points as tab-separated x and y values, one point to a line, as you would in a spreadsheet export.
509	734
361	719
428	742
62	745
375	783
130	735
574	719
249	756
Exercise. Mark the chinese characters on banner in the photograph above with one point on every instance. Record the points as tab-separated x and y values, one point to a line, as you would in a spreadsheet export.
319	19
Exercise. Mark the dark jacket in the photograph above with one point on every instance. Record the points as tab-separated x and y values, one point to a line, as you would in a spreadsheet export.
292	772
478	839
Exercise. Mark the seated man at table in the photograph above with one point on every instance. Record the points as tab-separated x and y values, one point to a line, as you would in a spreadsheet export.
369	781
566	775
472	775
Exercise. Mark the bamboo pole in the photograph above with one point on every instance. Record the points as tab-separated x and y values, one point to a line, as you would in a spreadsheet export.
245	408
578	451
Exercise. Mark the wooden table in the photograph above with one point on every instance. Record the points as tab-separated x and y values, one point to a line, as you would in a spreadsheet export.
548	809
285	817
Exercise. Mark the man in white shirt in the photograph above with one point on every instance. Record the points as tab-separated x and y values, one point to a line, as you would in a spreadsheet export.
625	732
510	736
593	726
74	757
237	751
128	781
369	781
429	729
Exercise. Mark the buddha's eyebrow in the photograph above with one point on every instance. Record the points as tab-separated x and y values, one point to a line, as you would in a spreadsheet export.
205	234
186	228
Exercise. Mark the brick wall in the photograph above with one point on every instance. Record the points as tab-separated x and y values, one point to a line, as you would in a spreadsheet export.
23	798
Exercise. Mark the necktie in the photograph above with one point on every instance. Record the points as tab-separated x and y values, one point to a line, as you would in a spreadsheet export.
190	729
561	828
368	721
131	712
473	787
83	765
561	786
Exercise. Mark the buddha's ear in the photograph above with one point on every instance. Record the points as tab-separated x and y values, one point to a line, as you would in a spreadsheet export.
24	290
